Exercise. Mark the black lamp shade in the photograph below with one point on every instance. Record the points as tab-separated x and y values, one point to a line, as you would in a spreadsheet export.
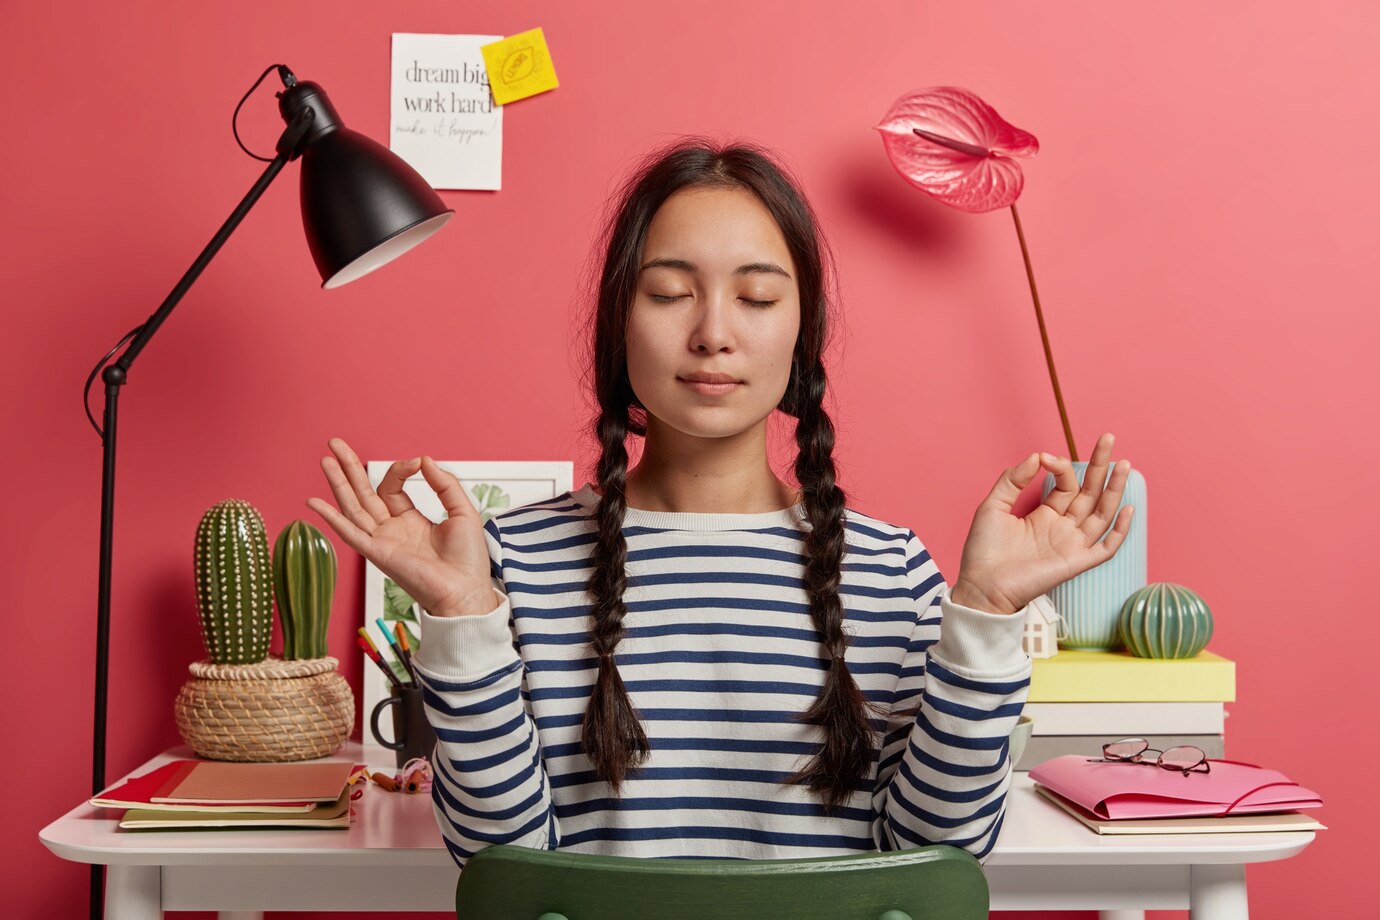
362	205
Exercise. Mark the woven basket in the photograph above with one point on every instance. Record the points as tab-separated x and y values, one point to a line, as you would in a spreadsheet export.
273	711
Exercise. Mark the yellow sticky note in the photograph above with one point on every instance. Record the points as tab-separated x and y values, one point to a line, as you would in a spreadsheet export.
519	66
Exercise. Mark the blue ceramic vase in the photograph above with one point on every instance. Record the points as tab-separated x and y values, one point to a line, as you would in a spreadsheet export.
1090	603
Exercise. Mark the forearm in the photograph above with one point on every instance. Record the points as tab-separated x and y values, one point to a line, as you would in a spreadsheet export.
490	783
951	782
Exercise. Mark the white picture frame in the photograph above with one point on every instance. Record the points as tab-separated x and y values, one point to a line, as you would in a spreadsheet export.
493	486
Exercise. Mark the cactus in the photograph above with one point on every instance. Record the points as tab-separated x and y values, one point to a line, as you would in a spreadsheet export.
234	592
304	570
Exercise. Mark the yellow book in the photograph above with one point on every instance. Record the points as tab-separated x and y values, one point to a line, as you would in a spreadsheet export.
1078	676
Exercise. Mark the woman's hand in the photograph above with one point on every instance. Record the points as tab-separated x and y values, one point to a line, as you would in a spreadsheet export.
1010	561
444	567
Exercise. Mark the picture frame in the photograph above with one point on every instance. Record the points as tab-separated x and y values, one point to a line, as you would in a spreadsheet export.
493	486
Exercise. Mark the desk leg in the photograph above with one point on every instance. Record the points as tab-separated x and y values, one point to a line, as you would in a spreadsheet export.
1217	892
133	893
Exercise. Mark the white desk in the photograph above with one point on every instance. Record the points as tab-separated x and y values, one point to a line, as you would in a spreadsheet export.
1043	860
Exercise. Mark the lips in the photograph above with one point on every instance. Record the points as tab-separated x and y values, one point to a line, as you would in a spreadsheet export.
705	377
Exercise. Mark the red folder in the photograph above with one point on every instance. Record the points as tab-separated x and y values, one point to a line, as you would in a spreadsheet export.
1116	791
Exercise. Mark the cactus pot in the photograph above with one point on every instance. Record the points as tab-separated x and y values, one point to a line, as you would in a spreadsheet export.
269	712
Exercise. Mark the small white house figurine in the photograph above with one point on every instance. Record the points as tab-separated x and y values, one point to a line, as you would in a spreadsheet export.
1042	628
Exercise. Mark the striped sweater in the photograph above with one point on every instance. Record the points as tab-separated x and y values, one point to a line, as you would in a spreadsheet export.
719	654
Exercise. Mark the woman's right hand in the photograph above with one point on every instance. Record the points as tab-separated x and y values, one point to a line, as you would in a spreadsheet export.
444	567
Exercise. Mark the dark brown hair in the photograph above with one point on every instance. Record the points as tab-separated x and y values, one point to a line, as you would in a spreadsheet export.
612	736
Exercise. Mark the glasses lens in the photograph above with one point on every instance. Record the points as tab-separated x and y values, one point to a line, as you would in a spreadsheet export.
1124	749
1184	757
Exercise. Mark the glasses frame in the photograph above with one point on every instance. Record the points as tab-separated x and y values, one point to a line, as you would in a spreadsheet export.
1136	758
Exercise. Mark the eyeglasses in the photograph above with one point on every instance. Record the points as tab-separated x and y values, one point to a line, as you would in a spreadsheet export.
1185	758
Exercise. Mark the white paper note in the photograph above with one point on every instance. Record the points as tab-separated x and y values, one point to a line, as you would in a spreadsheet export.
445	123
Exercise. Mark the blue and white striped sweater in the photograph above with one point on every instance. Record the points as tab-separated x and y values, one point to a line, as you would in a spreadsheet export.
718	656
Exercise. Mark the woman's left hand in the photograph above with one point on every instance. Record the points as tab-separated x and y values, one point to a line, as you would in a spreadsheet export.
1010	561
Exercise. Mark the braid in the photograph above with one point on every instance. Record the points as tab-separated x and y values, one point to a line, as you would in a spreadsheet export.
612	735
840	708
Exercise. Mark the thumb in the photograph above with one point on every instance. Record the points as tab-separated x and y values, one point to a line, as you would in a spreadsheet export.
1012	483
447	488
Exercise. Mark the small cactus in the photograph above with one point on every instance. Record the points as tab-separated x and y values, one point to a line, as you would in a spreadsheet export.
304	570
234	592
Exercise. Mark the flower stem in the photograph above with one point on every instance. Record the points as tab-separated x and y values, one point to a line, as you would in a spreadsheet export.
1044	337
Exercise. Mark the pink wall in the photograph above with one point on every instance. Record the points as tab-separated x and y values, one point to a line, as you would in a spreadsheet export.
1202	218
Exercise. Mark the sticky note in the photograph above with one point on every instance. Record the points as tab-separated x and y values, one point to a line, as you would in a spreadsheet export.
519	66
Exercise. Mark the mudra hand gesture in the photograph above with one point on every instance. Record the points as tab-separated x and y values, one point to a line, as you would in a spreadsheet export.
444	567
1010	561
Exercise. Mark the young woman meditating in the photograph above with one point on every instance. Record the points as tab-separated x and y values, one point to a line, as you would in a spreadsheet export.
693	658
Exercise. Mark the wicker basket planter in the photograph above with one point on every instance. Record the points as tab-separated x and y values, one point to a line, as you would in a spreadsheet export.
268	712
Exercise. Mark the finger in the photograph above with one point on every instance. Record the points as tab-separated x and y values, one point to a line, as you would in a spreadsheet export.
1012	483
1096	523
1065	482
447	488
355	538
391	486
345	496
359	480
1115	537
1094	480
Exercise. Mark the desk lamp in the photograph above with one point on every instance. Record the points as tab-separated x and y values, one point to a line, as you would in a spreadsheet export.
362	207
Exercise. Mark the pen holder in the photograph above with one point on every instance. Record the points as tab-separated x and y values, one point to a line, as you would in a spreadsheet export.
268	712
413	735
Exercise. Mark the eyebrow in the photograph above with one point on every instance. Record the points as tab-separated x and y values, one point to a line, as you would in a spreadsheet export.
748	269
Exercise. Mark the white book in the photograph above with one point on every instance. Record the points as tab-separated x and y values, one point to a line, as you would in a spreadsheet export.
1127	719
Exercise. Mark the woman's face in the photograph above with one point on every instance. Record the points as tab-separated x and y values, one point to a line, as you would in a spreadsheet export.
717	294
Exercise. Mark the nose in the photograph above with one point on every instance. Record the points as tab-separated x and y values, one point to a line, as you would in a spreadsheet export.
713	325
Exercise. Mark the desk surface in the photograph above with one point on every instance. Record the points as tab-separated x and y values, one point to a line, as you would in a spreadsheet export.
397	829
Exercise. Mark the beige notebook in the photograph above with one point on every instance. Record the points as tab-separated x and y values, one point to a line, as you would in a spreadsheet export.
336	816
213	782
1228	824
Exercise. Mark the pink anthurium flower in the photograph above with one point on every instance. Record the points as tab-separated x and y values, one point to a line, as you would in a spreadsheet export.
951	145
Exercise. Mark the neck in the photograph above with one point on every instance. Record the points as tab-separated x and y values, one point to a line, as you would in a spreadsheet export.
728	475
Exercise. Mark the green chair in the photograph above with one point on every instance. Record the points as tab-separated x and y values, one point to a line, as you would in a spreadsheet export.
507	882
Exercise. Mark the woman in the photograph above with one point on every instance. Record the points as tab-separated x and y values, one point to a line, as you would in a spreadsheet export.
693	658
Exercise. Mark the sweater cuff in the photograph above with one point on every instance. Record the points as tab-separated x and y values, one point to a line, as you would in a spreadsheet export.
468	646
976	643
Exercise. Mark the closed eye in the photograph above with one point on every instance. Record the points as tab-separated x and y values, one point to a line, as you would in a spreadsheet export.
663	298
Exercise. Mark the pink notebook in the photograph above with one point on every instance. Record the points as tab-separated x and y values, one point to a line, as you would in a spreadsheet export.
1115	791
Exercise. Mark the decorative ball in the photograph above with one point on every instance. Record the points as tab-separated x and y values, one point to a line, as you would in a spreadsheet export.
1165	620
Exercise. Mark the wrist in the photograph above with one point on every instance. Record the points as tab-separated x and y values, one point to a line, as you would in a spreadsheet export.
485	601
964	594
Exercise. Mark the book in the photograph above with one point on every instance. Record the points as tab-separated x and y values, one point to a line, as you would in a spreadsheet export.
1079	676
214	782
1227	824
1039	748
1127	719
334	816
139	792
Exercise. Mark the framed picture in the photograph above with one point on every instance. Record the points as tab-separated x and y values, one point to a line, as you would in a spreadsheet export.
494	486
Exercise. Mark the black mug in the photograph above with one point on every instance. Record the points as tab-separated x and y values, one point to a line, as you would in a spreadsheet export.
413	735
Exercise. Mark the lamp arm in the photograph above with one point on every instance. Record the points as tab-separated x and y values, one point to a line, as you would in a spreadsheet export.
115	376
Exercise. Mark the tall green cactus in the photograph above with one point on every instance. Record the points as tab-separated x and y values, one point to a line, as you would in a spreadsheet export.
234	591
304	570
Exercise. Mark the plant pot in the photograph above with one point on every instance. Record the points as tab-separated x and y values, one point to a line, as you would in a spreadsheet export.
268	712
1090	603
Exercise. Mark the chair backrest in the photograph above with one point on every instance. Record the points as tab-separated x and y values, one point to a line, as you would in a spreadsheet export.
519	883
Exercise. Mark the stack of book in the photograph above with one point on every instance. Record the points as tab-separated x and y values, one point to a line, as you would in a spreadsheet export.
1080	700
203	794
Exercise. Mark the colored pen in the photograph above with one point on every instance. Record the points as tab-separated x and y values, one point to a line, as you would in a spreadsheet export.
397	651
406	645
373	653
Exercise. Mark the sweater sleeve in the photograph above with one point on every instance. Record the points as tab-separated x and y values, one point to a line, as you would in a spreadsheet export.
490	783
943	773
